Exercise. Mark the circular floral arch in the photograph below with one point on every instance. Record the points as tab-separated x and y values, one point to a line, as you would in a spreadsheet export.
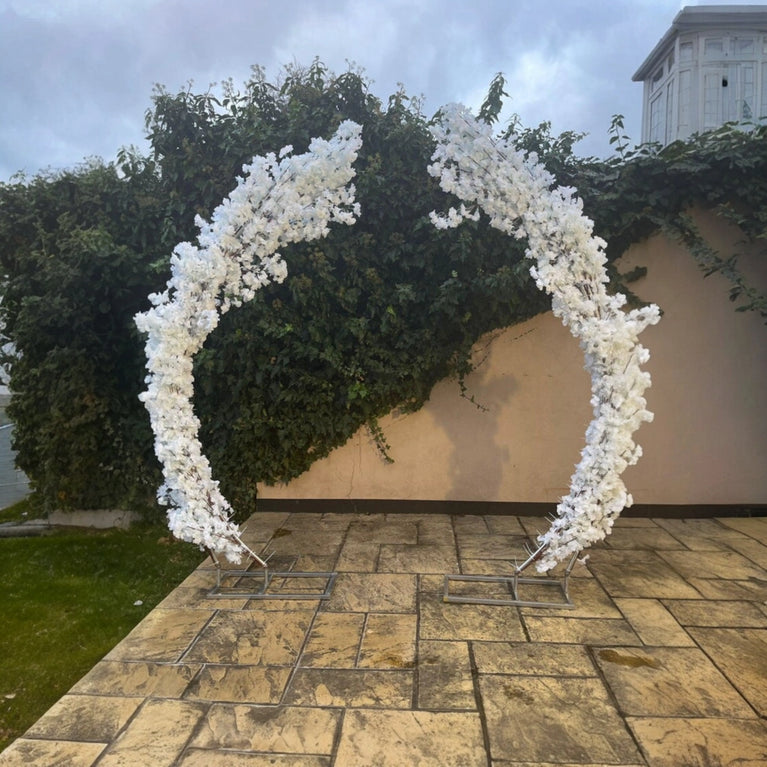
296	197
279	200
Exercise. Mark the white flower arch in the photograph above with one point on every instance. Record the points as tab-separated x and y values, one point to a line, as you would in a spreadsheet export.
282	199
296	197
518	195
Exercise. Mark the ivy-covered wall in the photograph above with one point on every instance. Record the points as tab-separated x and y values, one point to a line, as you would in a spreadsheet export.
707	444
369	319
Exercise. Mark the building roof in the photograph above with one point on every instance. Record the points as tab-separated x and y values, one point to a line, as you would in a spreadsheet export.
693	18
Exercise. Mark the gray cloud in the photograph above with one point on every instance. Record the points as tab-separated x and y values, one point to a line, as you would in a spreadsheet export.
76	76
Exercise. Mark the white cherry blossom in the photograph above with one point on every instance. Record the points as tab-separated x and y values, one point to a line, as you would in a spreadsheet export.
278	200
520	198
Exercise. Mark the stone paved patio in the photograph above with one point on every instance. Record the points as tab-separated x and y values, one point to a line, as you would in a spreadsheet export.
663	662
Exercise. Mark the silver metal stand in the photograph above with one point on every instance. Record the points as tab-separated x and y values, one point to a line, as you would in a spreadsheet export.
264	583
560	585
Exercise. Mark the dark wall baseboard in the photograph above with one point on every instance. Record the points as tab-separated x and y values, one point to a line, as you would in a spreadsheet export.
509	508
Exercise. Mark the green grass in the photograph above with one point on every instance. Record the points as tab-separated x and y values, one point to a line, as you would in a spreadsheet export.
19	512
66	599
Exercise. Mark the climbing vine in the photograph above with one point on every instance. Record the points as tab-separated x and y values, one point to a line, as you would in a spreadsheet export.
372	315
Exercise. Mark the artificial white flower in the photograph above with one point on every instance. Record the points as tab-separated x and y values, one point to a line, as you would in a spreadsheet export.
277	201
517	194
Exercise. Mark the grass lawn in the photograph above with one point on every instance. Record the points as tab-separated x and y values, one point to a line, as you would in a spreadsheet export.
66	599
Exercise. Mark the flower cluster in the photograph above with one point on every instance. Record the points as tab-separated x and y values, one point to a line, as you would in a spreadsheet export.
279	200
519	197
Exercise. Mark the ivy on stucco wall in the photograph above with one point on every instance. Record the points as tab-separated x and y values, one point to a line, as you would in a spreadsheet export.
368	320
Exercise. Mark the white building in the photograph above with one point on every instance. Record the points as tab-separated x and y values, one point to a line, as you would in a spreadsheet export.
708	69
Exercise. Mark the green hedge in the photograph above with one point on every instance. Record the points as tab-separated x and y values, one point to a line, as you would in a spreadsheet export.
369	319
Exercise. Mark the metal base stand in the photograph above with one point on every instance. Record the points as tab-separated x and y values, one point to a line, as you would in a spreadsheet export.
560	599
264	583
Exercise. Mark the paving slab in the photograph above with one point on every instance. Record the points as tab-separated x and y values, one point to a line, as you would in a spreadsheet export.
423	738
669	681
661	662
537	719
445	676
673	742
653	623
741	654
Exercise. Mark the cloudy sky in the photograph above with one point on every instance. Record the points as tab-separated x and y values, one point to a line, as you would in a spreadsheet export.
76	76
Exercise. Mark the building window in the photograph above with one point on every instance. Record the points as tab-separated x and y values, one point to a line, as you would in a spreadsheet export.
763	106
747	93
713	48
743	47
685	103
712	99
657	115
669	131
685	51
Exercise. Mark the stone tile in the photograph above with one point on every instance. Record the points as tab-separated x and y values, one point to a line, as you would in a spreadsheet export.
641	538
266	522
156	735
754	589
751	549
372	592
126	678
164	635
715	564
701	742
444	676
653	623
240	684
50	753
252	638
727	613
431	584
377	529
504	547
289	605
297	541
389	641
268	728
350	688
204	577
470	524
532	659
666	681
358	556
334	640
699	534
587	631
589	598
754	527
440	620
85	717
742	655
326	523
436	529
639	574
554	719
504	763
197	757
421	558
399	738
626	521
196	598
534	526
504	525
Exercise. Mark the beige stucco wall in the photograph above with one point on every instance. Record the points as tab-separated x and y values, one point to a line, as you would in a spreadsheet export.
707	445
